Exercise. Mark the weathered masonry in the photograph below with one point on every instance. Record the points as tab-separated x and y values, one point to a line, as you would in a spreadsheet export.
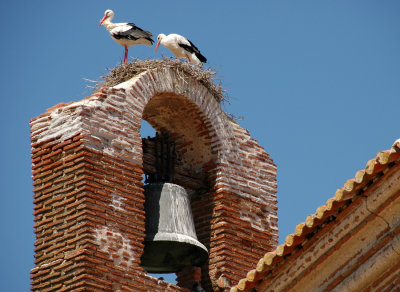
88	165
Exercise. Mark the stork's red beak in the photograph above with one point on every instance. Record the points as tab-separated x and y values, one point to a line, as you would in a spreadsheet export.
104	18
158	43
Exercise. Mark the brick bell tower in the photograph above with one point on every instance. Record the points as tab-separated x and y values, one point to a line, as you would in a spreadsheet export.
89	161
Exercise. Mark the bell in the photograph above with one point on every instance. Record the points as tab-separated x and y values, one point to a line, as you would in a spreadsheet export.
171	242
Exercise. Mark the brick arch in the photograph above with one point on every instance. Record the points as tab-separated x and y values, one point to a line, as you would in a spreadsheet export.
191	131
110	119
159	94
87	163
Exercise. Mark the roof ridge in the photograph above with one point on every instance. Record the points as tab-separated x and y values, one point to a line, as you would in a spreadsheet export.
351	188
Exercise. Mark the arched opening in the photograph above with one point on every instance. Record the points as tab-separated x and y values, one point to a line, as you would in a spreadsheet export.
178	121
147	132
187	126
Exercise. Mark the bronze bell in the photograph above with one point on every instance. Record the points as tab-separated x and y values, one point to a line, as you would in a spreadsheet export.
171	242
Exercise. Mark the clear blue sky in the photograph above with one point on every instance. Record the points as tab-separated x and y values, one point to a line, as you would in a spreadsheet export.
318	83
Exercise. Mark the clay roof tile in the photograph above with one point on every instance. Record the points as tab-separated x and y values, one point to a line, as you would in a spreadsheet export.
350	189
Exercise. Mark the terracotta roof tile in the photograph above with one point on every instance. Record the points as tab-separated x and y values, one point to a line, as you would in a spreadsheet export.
351	188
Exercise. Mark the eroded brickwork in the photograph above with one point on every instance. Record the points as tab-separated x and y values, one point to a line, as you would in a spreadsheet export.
89	220
87	171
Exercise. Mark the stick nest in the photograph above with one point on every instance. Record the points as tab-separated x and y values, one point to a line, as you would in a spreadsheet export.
125	72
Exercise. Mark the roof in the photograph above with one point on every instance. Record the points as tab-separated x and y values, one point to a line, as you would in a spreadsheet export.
341	200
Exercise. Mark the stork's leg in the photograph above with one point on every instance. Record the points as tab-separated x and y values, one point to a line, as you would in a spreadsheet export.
126	55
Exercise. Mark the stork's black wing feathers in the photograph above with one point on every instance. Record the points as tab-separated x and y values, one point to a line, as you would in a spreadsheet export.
193	49
134	33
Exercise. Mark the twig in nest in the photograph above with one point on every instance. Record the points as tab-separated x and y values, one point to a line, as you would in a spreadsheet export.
125	72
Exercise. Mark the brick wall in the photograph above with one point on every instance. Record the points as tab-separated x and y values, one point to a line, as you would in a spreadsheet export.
88	190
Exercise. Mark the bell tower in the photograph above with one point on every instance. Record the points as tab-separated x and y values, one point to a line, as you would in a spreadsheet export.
209	188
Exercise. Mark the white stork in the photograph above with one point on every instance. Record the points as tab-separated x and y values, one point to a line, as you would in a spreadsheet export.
181	47
126	34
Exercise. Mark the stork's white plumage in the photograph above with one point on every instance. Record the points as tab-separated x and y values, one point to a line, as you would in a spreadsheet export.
181	47
126	34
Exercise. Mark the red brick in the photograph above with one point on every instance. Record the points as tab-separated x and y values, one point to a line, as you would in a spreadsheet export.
79	189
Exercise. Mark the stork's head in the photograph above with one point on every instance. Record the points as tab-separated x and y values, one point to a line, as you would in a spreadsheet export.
160	37
108	14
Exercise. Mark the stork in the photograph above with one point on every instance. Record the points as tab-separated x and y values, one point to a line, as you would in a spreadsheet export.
181	47
126	34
